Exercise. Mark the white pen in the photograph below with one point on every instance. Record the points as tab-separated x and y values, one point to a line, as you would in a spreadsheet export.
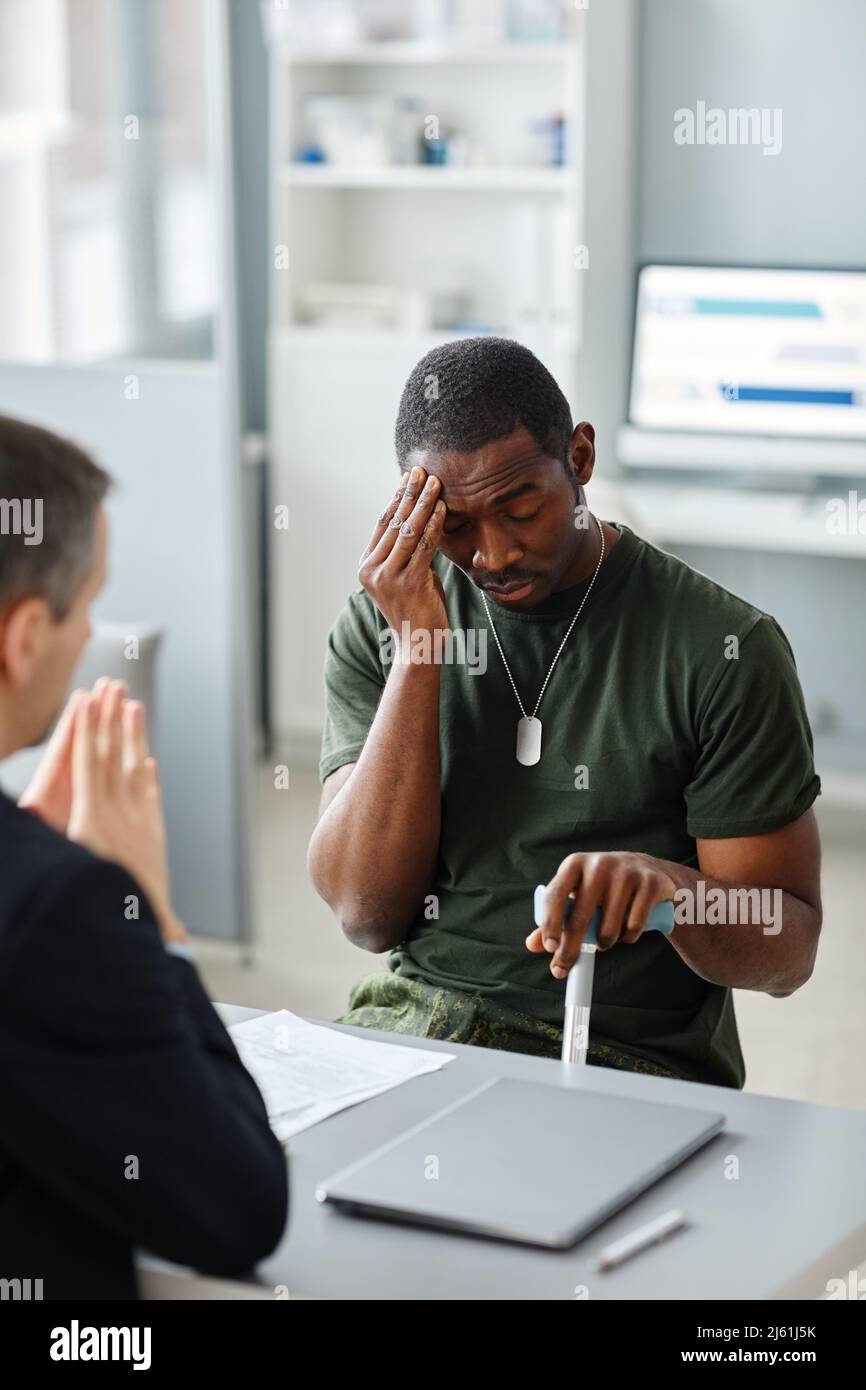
650	1234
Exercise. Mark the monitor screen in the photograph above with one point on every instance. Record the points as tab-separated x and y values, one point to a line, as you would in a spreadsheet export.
733	350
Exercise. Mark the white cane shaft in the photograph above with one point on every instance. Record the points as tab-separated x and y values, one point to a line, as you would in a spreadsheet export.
578	1002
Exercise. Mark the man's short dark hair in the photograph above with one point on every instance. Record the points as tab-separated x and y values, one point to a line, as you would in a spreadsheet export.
468	392
43	476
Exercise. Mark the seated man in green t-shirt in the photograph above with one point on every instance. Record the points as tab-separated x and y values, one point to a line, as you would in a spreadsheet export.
521	694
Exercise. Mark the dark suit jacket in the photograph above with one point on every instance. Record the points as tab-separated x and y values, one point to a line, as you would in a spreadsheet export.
126	1117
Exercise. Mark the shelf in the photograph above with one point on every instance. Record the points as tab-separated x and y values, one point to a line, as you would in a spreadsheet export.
412	51
429	178
740	519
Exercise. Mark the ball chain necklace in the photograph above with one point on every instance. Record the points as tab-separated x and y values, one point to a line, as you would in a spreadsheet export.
529	725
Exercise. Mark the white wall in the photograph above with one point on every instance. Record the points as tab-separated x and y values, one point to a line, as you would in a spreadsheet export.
806	204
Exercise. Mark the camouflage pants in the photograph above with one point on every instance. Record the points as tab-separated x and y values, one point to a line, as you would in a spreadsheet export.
395	1004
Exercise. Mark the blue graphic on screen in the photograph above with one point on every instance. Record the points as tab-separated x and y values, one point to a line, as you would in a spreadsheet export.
748	350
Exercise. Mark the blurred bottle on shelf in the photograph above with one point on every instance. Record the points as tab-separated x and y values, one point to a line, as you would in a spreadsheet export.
436	150
550	140
408	131
432	21
384	21
349	130
535	21
312	23
479	21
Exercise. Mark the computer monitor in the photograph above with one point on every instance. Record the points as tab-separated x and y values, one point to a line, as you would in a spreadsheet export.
722	353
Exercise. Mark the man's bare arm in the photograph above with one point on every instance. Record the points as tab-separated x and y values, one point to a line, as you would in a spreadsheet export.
775	957
373	851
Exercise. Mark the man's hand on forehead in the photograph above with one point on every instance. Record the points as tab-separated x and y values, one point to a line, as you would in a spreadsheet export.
396	568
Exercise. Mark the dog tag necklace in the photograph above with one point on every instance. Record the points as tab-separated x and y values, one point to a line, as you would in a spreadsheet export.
529	725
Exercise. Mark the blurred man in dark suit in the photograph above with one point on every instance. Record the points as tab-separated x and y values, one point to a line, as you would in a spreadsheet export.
127	1118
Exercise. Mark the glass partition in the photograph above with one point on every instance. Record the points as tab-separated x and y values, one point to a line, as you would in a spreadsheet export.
106	240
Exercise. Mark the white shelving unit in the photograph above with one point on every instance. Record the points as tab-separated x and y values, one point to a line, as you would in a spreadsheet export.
504	233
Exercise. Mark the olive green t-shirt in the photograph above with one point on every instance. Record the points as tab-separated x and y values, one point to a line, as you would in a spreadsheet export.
673	713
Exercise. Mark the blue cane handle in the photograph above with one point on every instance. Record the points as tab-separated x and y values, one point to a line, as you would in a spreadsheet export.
661	917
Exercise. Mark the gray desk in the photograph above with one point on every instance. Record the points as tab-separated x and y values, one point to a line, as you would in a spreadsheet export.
793	1218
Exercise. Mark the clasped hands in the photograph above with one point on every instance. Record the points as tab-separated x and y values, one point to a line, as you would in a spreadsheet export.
98	785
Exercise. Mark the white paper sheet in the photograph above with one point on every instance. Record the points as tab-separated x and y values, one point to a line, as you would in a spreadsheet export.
306	1072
